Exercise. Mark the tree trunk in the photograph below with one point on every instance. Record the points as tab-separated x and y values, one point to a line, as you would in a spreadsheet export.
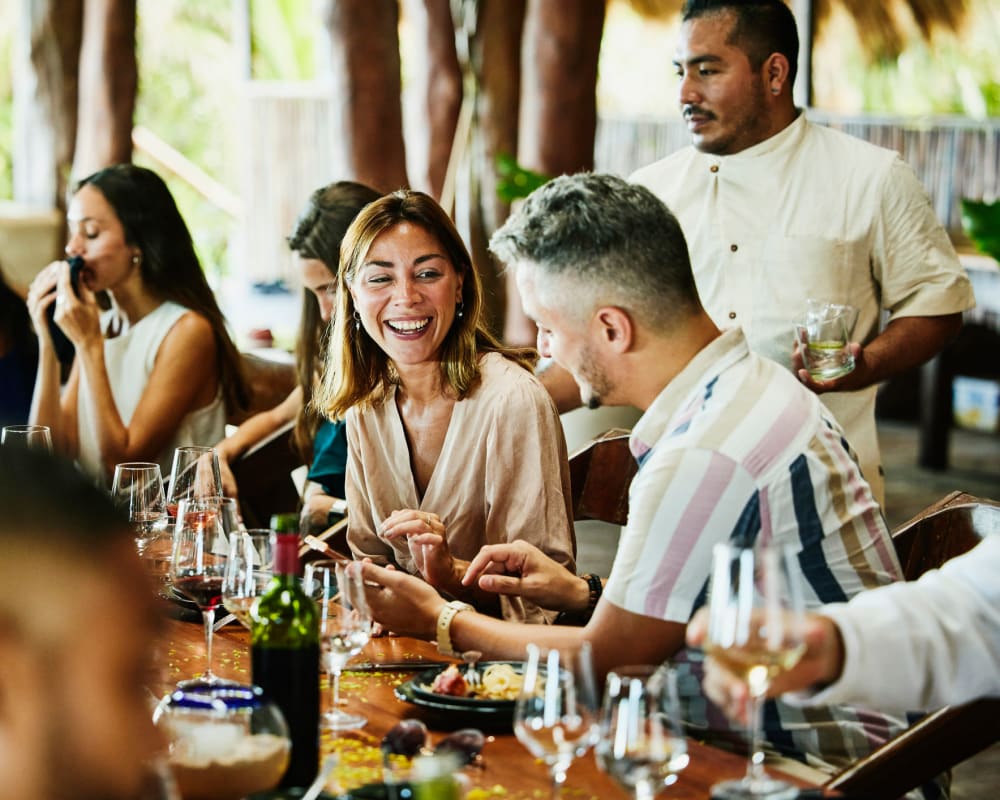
364	50
440	87
108	82
45	100
558	106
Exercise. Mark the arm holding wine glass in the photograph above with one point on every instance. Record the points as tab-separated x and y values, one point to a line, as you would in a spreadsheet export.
947	622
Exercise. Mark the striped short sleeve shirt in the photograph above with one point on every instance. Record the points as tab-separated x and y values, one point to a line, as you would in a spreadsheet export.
736	449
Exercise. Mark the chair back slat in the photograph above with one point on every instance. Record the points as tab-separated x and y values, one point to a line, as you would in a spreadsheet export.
600	474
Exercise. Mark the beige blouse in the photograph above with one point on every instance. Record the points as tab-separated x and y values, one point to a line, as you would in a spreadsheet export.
502	475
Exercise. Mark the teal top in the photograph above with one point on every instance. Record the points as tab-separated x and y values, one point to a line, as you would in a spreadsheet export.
330	457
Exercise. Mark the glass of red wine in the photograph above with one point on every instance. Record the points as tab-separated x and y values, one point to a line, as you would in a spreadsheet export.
198	567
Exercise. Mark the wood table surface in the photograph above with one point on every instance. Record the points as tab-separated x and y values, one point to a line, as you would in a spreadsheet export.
507	771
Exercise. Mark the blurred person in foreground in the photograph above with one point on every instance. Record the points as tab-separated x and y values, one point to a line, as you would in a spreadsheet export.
917	645
77	618
18	357
731	447
322	443
452	442
157	370
777	209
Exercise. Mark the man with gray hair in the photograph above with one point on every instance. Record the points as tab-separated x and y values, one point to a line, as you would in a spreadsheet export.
731	447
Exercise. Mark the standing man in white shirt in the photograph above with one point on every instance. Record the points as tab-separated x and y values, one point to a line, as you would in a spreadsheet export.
776	210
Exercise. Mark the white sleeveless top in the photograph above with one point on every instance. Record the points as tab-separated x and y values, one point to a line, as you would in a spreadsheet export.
129	358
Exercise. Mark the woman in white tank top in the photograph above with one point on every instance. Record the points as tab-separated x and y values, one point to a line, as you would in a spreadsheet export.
156	371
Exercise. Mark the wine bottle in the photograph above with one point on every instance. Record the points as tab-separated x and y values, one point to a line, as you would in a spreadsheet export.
284	638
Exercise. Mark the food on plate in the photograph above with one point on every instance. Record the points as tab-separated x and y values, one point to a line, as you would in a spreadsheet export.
498	682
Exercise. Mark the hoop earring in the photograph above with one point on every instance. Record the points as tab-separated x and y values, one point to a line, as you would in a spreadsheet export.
461	308
357	320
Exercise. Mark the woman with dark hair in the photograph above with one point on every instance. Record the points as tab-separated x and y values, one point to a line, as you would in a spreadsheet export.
315	240
18	357
158	369
452	442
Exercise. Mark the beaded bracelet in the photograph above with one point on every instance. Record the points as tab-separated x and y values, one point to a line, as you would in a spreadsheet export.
583	616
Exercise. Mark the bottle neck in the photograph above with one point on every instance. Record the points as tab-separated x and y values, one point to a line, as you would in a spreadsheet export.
286	554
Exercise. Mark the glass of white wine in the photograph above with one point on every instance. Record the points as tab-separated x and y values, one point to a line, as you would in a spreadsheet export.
137	489
249	571
345	628
641	744
555	716
756	620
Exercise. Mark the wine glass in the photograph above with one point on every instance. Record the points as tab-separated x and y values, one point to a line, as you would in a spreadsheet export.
641	744
195	475
756	620
555	716
248	571
231	520
199	565
345	628
137	489
26	436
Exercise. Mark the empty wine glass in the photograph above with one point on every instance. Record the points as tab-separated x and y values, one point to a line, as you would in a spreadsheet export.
195	475
756	619
345	628
555	716
199	565
137	489
231	520
248	571
36	436
641	744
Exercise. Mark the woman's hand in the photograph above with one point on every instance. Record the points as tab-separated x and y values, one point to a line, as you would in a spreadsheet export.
77	315
427	540
41	295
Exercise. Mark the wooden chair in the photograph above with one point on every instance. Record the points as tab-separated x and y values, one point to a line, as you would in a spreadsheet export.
263	474
600	474
270	382
950	735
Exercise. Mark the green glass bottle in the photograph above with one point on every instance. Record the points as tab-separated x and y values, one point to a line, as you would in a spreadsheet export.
284	639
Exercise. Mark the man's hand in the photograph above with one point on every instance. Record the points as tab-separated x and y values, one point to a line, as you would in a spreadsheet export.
821	663
401	603
855	379
521	569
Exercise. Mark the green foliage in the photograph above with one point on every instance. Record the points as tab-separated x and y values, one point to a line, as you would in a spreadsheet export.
284	33
514	181
981	222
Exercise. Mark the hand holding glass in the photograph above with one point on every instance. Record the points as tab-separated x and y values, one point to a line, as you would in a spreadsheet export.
755	628
641	744
823	334
555	716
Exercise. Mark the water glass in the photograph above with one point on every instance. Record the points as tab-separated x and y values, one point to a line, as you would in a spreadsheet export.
26	436
555	716
641	744
823	333
137	489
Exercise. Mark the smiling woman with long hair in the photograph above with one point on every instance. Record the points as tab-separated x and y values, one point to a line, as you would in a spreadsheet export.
452	442
159	369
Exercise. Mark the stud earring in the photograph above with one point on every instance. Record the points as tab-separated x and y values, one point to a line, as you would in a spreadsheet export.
357	321
136	259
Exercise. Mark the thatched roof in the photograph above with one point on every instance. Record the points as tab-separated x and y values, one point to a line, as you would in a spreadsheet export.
883	27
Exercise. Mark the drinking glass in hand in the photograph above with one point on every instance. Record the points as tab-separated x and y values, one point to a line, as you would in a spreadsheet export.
248	571
137	489
345	628
555	716
194	475
199	567
35	436
756	619
640	743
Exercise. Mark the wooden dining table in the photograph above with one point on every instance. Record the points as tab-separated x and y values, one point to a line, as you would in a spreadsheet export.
505	771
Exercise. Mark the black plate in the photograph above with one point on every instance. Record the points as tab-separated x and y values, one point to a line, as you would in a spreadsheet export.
417	691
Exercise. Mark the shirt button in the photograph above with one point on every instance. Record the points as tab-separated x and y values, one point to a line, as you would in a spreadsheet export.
734	247
732	315
713	168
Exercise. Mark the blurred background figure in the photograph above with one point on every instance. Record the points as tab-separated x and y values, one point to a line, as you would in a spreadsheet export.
315	240
18	357
158	369
76	620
